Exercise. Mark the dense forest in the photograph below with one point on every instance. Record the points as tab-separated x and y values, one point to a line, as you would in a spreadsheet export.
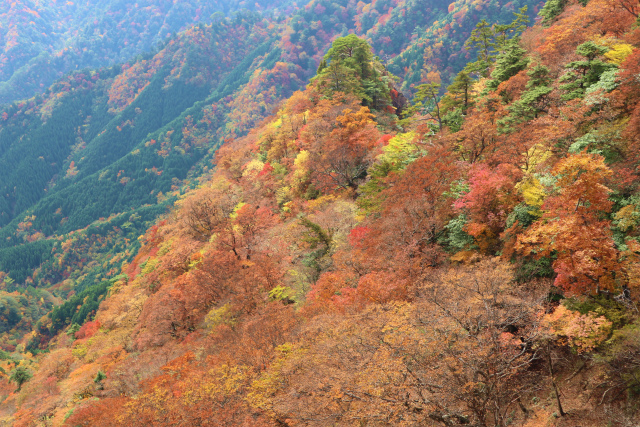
297	224
40	41
88	165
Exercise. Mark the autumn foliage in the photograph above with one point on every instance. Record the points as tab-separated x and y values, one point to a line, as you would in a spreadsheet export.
475	263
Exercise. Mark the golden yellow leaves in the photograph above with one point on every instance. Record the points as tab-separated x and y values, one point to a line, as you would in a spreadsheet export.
582	331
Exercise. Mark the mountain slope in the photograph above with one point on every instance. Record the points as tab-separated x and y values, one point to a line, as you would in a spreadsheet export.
107	141
477	267
114	147
41	41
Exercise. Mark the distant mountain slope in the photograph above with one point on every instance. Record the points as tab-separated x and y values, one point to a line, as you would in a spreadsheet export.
102	142
42	40
86	166
81	132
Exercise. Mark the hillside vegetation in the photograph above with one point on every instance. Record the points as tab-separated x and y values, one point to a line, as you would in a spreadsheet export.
40	41
472	262
87	166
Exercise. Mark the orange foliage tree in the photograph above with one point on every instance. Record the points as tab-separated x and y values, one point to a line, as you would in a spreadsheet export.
572	228
346	154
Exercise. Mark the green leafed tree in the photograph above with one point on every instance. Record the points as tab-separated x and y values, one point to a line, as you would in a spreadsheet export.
533	101
585	72
551	9
481	40
350	67
427	103
498	42
511	60
458	94
20	376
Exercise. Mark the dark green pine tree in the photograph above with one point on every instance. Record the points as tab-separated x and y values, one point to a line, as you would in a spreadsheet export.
509	62
20	376
481	40
492	42
350	67
533	101
551	9
337	77
457	101
504	34
459	93
585	72
427	103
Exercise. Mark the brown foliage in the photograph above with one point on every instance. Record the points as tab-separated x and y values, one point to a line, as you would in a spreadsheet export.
458	355
346	153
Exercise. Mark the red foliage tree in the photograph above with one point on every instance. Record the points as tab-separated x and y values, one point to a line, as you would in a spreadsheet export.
491	197
416	208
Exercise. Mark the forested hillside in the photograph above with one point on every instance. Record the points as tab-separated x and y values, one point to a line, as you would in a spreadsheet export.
40	41
471	258
88	165
109	150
